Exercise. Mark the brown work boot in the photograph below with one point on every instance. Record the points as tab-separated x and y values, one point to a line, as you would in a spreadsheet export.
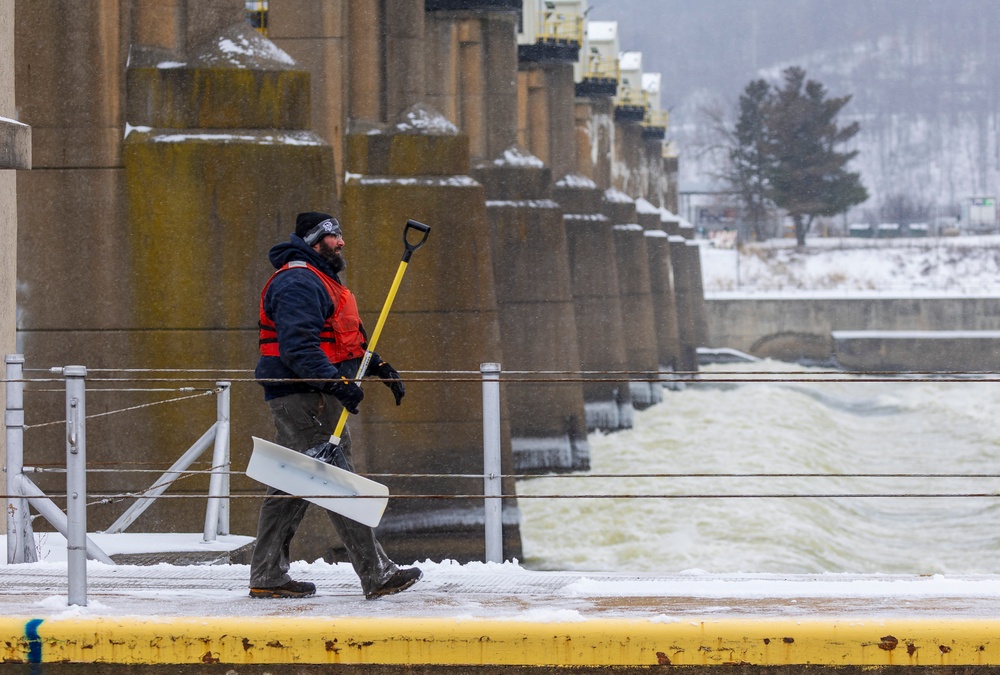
291	589
400	581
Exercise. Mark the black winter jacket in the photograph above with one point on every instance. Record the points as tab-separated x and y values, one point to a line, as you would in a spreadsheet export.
299	304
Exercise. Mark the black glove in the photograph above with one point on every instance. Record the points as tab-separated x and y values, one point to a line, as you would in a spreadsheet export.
348	393
390	378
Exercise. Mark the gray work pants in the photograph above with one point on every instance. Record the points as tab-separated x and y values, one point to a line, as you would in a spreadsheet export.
303	421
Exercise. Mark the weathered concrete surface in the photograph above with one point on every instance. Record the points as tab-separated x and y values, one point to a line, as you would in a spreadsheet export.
537	319
15	153
661	285
444	318
638	315
596	304
685	257
632	266
315	35
471	66
595	133
671	176
545	118
165	270
933	351
775	325
637	167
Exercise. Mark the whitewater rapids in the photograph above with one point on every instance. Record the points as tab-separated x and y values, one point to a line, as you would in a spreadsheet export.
786	425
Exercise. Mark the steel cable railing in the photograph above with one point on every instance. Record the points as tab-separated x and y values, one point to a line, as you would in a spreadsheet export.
112	380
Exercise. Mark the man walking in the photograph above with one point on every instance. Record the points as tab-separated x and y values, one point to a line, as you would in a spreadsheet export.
311	345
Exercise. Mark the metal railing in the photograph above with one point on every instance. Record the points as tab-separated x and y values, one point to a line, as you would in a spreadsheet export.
560	26
631	97
21	490
602	68
656	118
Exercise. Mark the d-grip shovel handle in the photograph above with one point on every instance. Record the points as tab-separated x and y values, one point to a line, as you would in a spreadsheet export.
410	248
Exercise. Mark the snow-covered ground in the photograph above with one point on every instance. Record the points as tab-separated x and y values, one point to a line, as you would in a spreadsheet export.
967	265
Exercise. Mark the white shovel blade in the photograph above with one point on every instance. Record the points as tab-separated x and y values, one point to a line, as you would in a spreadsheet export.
297	474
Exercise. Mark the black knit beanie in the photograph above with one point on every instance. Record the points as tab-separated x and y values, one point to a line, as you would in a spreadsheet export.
313	226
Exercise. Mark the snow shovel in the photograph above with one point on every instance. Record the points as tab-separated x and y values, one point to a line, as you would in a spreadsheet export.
328	485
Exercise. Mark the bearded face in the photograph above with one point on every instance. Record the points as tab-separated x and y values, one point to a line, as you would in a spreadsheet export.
332	255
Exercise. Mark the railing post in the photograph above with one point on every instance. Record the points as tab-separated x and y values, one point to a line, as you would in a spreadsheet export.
223	413
76	482
492	485
217	510
20	539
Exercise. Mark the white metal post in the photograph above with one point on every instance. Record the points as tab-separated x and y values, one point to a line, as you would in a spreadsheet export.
20	539
76	483
492	484
217	485
223	413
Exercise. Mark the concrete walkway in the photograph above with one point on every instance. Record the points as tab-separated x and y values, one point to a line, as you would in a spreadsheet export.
499	615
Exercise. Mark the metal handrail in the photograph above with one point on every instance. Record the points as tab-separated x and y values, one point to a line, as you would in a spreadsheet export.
656	118
22	492
606	68
560	27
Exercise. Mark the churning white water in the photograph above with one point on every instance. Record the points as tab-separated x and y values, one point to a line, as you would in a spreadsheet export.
843	424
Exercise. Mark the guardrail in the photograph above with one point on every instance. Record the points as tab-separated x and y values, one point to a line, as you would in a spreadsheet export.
22	492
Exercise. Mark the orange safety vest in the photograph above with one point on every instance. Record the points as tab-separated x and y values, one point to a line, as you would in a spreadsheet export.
341	338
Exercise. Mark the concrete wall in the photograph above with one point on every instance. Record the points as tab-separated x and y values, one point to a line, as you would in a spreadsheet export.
537	318
595	133
148	250
471	61
921	351
166	240
801	328
315	35
637	165
546	114
15	153
443	319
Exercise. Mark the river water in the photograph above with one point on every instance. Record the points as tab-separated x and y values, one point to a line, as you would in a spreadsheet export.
842	424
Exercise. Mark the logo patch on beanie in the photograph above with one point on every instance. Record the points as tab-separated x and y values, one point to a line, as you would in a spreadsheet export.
322	229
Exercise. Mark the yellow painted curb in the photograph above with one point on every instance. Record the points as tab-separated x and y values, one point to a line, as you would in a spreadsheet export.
597	642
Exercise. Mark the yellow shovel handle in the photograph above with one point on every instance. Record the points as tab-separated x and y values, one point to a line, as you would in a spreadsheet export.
335	439
409	248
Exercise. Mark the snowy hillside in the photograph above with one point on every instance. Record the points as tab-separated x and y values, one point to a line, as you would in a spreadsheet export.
922	73
952	265
930	126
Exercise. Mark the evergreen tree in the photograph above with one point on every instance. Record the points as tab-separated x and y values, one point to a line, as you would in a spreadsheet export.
750	162
807	173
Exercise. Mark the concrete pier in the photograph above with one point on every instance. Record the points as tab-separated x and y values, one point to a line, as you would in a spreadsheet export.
661	284
597	304
685	257
638	313
537	317
632	268
444	319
